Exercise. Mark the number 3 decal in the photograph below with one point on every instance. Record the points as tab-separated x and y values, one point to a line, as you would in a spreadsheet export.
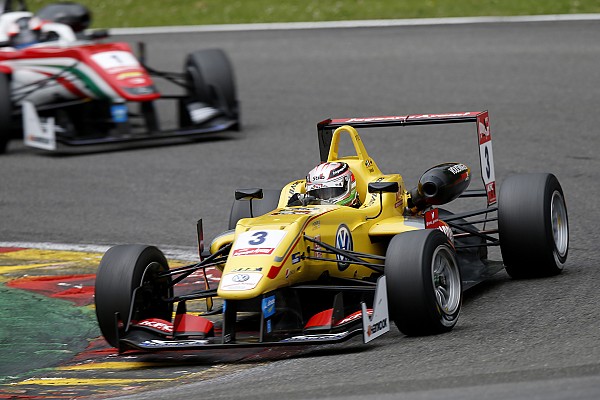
488	168
260	238
486	156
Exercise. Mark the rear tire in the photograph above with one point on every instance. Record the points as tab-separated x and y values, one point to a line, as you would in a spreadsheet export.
210	77
241	208
122	269
533	225
423	282
5	112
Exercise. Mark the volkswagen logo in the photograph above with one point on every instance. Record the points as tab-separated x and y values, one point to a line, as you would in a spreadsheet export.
240	278
343	241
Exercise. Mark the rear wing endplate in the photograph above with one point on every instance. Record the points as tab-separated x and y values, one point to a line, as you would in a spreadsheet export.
480	118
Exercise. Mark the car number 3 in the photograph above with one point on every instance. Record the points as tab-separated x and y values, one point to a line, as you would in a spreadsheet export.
260	238
488	169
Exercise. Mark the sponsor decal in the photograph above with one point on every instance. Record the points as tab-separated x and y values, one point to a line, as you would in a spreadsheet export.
483	128
431	219
38	133
296	258
490	188
293	187
377	326
316	225
268	306
372	200
435	116
257	242
447	231
354	317
399	199
376	119
296	211
338	170
130	74
458	168
173	343
368	163
240	282
245	269
240	278
119	113
159	325
318	248
343	241
260	251
317	338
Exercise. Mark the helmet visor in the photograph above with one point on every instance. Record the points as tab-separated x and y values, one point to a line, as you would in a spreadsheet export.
327	193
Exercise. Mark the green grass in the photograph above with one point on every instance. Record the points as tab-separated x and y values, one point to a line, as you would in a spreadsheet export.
135	13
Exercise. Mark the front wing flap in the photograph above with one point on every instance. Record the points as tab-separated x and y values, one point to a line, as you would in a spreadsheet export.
143	340
214	126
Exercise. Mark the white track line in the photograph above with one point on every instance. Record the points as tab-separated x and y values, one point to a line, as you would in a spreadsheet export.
171	252
378	23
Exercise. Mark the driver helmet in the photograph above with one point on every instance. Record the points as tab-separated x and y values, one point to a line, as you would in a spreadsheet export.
332	182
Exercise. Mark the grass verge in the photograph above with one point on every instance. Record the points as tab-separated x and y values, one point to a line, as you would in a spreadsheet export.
136	13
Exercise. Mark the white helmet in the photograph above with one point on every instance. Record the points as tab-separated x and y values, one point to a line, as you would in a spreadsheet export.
333	182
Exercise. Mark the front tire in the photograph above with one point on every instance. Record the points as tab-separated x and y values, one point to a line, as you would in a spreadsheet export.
211	81
423	282
123	269
533	225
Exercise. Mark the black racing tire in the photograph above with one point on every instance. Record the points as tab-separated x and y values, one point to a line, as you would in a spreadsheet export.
241	208
423	282
211	80
5	112
122	269
533	225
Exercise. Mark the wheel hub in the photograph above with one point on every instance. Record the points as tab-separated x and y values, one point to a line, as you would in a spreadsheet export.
446	280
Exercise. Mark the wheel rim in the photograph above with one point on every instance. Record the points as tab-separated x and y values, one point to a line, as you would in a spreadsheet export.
560	225
446	280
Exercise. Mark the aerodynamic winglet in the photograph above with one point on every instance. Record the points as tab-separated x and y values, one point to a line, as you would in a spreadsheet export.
379	322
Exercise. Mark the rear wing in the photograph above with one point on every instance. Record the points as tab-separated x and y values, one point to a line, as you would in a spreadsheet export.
480	118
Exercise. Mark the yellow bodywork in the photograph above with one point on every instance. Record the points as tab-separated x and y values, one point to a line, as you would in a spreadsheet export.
270	251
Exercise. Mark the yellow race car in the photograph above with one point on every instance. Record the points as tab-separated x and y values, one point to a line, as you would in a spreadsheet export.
343	252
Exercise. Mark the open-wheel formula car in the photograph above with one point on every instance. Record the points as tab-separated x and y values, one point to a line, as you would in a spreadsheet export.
59	83
296	269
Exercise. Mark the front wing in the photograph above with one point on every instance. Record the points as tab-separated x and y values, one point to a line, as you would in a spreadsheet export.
43	133
143	340
370	325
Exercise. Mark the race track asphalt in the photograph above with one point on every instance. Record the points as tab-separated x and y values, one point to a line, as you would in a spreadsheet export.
515	339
